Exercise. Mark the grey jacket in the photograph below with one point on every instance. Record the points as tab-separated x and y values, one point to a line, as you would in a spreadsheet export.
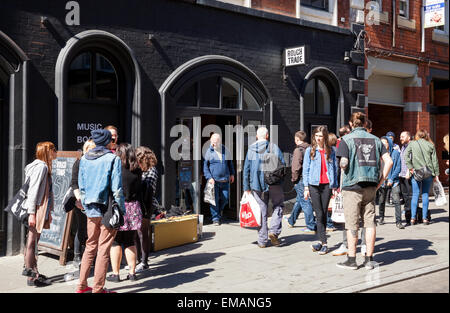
37	173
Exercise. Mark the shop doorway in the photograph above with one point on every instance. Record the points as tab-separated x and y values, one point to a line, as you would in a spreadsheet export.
190	177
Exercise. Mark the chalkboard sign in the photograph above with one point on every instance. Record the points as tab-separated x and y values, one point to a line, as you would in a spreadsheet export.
55	239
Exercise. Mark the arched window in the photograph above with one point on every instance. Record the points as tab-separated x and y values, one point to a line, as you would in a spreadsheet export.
92	76
317	97
220	93
95	95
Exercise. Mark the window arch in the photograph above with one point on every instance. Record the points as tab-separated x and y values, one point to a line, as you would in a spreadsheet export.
112	54
95	93
318	97
219	92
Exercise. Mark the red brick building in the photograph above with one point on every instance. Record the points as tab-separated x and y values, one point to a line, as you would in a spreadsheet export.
407	88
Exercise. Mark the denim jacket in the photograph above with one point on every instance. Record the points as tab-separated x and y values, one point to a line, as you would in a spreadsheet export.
253	176
213	167
364	157
100	172
311	168
393	176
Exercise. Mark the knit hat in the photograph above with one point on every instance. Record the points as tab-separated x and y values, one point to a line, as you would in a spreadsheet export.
390	134
101	137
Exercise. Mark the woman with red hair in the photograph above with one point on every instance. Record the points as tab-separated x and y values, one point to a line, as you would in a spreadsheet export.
39	204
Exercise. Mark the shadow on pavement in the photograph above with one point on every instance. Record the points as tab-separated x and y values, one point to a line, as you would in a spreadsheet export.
289	240
166	282
171	266
387	253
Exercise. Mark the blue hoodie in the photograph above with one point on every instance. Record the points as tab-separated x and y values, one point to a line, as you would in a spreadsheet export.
253	175
393	176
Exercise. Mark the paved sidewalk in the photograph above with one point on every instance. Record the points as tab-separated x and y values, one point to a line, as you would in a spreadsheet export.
227	260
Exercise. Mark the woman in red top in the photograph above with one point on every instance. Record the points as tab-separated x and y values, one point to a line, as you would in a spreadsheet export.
319	167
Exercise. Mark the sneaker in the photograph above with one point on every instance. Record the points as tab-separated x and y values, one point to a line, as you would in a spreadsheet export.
27	272
216	223
274	239
342	250
323	250
306	230
316	247
363	249
113	278
400	226
132	277
85	290
261	245
141	267
76	262
369	263
331	229
381	221
348	264
38	282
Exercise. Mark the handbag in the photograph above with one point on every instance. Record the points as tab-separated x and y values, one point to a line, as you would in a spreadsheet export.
423	172
113	217
15	205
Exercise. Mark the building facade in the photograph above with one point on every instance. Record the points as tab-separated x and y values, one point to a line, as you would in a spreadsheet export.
407	77
162	71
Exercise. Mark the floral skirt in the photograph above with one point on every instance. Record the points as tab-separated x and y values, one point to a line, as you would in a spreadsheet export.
132	217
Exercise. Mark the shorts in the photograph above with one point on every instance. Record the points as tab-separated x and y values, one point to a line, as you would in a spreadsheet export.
359	204
124	238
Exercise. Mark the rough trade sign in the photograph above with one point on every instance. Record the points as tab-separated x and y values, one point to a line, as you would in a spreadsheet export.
295	56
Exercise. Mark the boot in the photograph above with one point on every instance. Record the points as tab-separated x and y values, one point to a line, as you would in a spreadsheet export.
408	217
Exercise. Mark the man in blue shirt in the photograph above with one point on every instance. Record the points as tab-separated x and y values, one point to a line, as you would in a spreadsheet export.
218	170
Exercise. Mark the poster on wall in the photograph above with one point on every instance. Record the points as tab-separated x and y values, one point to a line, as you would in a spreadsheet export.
434	13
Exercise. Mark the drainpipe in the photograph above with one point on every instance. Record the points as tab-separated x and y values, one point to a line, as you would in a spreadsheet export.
422	14
394	22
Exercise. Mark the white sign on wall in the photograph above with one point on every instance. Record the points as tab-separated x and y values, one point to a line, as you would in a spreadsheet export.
434	13
295	56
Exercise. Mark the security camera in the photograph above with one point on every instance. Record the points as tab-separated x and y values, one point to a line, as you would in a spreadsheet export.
347	57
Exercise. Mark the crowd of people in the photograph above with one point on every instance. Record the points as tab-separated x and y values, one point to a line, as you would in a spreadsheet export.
358	165
106	173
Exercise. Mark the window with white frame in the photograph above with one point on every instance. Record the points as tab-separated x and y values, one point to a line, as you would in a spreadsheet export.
404	8
316	4
244	3
444	28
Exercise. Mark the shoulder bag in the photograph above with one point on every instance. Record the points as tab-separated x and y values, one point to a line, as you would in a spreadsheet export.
15	205
423	172
113	217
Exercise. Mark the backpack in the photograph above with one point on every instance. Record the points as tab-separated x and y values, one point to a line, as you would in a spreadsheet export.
273	168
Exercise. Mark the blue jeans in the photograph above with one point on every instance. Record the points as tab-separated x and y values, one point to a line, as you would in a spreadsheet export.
426	185
300	204
221	192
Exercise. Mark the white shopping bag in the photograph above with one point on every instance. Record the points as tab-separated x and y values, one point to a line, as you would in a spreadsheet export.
439	195
337	209
250	211
210	196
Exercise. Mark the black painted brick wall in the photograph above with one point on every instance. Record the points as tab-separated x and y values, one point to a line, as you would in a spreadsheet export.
183	31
